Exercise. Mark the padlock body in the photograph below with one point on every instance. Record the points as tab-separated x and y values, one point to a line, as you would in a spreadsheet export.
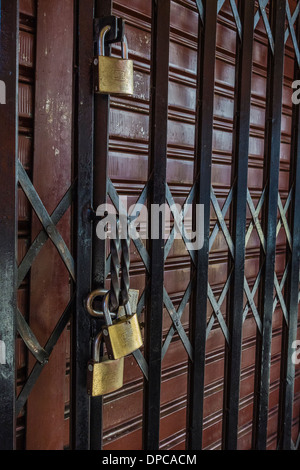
115	76
123	337
105	376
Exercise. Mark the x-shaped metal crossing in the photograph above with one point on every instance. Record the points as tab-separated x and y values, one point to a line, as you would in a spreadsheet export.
49	231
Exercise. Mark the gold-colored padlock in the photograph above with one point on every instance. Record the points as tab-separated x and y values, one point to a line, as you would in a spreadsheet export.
114	75
103	375
123	336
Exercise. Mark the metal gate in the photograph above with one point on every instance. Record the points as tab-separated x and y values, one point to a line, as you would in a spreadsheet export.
211	122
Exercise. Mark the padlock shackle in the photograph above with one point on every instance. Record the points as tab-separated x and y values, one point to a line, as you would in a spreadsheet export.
106	312
89	303
101	43
124	48
96	347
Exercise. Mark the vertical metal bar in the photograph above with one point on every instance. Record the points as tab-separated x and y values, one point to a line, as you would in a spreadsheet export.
271	177
9	35
84	147
100	169
289	334
238	223
157	195
203	156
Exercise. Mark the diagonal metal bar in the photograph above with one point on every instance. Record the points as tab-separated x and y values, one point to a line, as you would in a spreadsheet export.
112	193
45	219
284	211
251	301
200	9
219	302
224	210
222	221
218	314
292	22
42	237
141	302
38	367
292	31
281	300
178	216
30	339
254	223
262	5
180	310
253	292
175	317
23	328
220	4
141	361
254	213
284	221
236	18
257	16
231	248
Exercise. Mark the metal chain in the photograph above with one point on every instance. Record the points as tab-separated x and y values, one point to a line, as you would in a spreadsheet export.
119	289
125	266
115	270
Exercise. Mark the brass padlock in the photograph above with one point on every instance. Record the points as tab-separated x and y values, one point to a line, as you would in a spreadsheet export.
114	75
103	375
123	336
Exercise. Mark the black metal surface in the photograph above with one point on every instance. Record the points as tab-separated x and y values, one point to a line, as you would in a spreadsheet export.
156	195
238	223
8	213
84	145
202	172
271	177
103	8
289	334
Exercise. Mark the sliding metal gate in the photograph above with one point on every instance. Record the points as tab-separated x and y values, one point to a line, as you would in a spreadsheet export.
231	218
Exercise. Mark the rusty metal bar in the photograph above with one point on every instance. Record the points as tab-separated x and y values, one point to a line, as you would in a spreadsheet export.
9	36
